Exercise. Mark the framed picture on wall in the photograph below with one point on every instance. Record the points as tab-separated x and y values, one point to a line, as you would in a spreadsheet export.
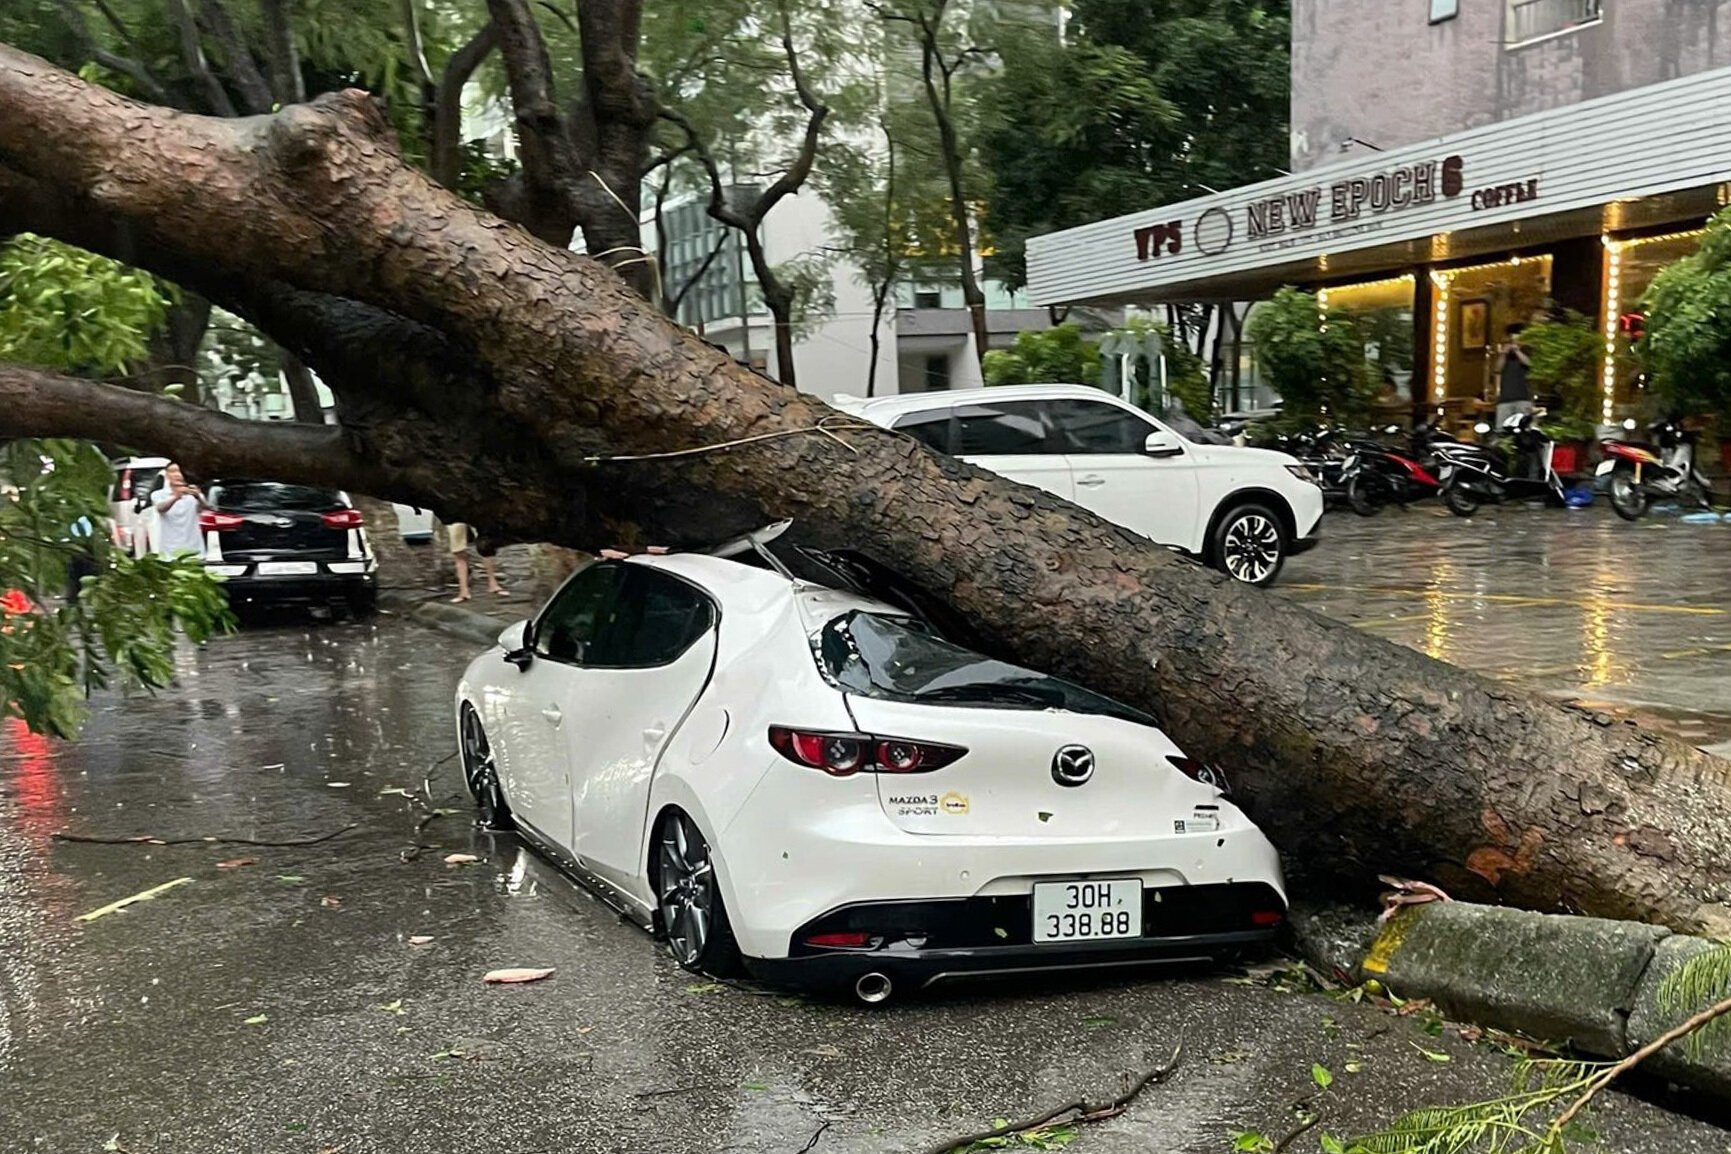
1475	315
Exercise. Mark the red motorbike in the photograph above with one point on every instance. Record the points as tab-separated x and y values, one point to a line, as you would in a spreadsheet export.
1636	474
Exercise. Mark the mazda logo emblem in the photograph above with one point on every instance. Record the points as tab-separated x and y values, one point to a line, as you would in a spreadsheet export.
1073	765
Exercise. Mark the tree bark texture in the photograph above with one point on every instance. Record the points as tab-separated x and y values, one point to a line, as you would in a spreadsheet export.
1356	755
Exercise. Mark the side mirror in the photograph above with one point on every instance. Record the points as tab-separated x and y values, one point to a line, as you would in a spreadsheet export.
1160	443
515	642
1481	428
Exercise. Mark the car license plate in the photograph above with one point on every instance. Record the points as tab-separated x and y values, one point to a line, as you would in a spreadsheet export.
1082	911
287	568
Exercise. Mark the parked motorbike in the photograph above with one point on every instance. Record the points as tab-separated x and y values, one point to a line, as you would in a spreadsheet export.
1636	474
1374	475
1475	474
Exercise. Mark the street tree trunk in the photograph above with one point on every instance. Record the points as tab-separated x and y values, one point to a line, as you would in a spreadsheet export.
528	390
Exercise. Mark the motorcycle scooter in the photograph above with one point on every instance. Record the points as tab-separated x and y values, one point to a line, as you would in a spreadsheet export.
1637	474
1475	474
1375	475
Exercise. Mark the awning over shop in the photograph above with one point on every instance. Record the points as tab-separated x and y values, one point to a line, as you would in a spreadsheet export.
1635	160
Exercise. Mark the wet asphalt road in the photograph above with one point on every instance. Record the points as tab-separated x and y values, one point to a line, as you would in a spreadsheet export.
279	1005
1634	618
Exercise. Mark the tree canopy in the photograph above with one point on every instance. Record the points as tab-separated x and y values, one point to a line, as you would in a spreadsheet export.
1144	103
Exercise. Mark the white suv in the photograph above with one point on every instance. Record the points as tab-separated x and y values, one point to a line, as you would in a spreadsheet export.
1241	510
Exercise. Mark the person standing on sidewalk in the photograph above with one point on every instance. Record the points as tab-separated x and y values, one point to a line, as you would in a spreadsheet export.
177	507
460	535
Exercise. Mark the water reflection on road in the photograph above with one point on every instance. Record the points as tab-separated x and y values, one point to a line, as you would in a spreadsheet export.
1573	603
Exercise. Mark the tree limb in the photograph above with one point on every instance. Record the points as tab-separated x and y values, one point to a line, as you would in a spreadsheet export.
238	58
282	58
193	58
447	159
417	50
147	83
36	403
552	169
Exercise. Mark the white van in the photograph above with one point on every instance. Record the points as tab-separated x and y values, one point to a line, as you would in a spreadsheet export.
135	479
1241	510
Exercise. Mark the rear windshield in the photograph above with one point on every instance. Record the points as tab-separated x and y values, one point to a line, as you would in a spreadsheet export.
259	496
876	655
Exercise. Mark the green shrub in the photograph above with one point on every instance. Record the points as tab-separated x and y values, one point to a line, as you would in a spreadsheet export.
1314	361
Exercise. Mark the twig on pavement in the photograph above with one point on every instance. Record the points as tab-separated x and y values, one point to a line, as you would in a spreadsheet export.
148	839
1069	1112
812	1141
1309	1123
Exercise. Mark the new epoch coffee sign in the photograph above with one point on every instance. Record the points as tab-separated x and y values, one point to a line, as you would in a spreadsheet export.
1348	205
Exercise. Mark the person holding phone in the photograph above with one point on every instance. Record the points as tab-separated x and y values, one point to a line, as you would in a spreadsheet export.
177	506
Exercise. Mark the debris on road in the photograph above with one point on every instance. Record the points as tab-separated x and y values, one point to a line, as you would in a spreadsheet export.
236	863
144	896
420	939
516	974
460	859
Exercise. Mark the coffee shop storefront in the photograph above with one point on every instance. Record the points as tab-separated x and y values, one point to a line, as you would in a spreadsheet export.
1436	248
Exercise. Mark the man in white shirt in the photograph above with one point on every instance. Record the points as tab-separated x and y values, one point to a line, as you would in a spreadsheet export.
177	505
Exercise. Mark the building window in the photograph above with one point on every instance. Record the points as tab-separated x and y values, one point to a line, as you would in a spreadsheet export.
1441	10
1533	19
937	374
928	299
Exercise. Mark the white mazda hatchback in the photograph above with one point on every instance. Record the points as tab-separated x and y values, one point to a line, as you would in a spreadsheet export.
814	785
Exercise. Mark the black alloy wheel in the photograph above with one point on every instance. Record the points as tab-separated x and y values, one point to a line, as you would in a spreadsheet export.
690	913
481	774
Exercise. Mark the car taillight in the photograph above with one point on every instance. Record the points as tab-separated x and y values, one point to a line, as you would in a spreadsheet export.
342	519
209	520
1199	771
1265	918
841	754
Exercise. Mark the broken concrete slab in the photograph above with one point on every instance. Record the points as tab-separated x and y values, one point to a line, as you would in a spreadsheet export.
1704	1062
1551	976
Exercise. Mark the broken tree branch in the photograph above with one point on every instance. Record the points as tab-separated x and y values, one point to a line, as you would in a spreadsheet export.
147	839
1078	1111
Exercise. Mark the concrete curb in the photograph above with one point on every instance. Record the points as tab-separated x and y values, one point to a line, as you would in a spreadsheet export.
436	613
1591	982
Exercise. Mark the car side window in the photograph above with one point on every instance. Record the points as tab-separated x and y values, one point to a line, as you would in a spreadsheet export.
567	629
658	617
1089	427
931	428
1001	429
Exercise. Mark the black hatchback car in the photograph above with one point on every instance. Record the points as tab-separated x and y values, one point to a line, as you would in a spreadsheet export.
275	543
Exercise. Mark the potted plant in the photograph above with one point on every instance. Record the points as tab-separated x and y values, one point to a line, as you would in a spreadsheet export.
1686	350
1314	360
1567	362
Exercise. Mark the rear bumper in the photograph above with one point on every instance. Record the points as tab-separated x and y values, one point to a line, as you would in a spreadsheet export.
910	969
249	588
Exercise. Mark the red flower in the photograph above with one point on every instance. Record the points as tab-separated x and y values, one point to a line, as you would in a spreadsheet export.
15	604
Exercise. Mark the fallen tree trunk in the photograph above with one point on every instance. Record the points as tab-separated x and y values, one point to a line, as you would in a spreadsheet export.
1356	755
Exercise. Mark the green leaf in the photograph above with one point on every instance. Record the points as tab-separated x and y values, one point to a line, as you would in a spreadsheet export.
703	988
1331	1145
1251	1142
1432	1055
1099	1020
1320	1075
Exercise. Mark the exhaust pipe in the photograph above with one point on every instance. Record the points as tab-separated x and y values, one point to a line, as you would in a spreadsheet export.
873	988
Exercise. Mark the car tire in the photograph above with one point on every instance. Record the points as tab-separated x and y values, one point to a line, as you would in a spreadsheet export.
1459	501
1627	497
481	772
1250	544
690	914
1360	497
